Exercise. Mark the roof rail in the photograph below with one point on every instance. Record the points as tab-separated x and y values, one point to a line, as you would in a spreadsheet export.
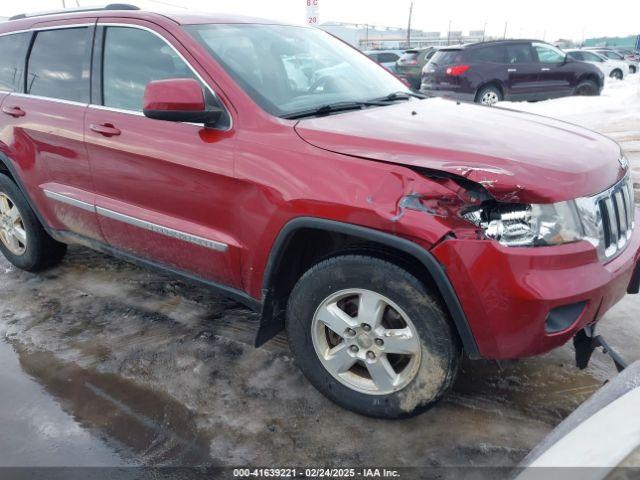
111	6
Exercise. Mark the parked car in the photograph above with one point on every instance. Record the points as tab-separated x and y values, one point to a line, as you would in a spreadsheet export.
387	233
410	64
632	60
602	437
386	58
610	68
513	70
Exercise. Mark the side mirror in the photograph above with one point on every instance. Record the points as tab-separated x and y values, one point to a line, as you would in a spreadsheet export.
179	100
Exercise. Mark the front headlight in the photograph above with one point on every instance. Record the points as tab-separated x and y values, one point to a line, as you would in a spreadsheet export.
517	225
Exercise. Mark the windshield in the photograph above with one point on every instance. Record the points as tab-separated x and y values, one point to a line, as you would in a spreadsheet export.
288	69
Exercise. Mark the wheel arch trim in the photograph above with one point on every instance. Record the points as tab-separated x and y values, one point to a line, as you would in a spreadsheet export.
271	324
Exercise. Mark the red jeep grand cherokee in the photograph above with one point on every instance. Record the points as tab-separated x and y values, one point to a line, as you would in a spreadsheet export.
386	232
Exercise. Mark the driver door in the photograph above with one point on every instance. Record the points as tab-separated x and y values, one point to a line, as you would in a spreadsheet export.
555	75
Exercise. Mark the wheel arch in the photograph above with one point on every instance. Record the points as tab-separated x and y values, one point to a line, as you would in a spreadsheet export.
276	291
494	82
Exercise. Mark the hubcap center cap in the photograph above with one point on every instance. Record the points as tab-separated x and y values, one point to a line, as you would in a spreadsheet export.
364	341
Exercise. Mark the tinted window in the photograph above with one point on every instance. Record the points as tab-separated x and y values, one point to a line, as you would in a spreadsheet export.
11	60
387	57
446	57
613	56
494	54
409	57
59	65
576	55
548	54
132	59
519	53
591	57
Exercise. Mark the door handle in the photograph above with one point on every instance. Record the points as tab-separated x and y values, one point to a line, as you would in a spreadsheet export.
14	111
512	69
545	69
106	129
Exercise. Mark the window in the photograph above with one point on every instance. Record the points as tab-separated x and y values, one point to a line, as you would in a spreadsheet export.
493	54
59	65
12	52
548	54
577	56
133	58
613	55
387	57
592	57
519	53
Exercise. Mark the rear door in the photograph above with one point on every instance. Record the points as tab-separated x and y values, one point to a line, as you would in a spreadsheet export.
556	74
164	190
43	126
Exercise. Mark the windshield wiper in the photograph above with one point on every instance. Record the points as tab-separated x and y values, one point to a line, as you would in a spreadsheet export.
333	108
401	96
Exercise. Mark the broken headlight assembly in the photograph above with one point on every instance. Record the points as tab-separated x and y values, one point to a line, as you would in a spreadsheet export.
518	225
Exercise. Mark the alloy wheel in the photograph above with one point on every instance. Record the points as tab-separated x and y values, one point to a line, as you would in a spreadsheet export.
366	341
489	98
12	232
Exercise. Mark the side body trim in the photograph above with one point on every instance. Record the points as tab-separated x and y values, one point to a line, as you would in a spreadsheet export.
136	222
69	201
272	321
169	232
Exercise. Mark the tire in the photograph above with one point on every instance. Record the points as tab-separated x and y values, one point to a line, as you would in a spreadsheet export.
421	377
29	247
617	74
632	69
587	88
489	95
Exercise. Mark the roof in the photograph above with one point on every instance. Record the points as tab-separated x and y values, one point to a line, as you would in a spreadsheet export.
492	42
179	18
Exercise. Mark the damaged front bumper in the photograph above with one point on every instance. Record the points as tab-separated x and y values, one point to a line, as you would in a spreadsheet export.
521	302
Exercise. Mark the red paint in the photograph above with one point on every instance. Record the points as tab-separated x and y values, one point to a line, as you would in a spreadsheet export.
242	186
181	94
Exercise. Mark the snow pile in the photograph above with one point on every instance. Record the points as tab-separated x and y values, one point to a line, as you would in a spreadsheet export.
619	103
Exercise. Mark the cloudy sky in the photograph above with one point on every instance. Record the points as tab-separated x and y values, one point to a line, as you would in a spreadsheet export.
549	18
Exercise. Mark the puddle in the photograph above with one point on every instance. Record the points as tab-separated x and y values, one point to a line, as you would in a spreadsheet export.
68	416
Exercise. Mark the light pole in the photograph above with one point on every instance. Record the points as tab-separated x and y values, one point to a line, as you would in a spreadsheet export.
505	30
409	26
449	34
484	30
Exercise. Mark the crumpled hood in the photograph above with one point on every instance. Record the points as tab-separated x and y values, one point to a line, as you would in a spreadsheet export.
516	156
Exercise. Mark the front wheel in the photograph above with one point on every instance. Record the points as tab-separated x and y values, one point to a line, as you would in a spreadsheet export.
371	337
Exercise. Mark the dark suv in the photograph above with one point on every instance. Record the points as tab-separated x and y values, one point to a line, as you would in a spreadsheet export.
409	66
388	233
508	70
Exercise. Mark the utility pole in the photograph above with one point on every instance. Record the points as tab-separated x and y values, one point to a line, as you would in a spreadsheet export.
449	34
484	30
409	27
505	30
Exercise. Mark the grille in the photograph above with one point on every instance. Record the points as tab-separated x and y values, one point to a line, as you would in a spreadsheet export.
617	210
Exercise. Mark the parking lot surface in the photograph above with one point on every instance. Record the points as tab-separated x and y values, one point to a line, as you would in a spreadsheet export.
108	364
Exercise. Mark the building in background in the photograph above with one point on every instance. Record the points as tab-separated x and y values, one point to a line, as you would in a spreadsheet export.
632	41
372	37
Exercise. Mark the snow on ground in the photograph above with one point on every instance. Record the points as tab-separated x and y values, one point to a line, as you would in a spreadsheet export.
619	102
